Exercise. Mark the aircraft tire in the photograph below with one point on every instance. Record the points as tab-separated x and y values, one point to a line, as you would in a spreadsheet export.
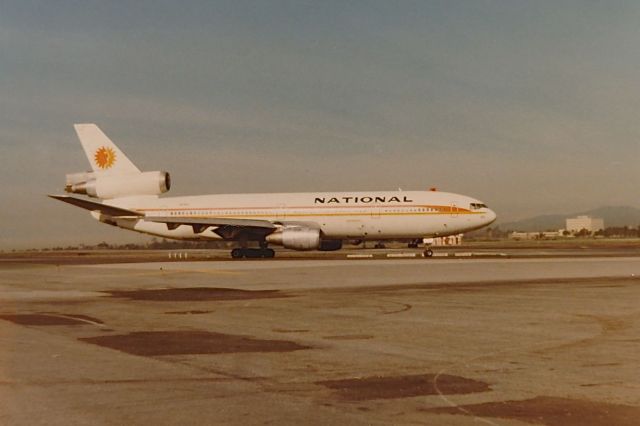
252	253
268	253
428	253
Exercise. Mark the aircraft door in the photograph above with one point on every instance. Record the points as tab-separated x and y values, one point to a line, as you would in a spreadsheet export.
454	209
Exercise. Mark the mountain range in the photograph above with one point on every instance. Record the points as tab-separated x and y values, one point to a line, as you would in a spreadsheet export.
612	215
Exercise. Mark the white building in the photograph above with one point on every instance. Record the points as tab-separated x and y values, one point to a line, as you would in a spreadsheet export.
546	235
451	240
591	224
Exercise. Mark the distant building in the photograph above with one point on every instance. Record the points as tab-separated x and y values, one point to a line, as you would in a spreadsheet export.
451	240
552	235
546	235
591	224
516	235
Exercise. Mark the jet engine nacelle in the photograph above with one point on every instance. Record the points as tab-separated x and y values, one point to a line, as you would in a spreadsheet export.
303	238
108	186
296	238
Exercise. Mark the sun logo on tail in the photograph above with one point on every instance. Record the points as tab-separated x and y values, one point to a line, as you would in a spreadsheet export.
105	157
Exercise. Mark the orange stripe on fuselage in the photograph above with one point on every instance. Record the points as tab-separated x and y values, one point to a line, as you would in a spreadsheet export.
441	209
289	215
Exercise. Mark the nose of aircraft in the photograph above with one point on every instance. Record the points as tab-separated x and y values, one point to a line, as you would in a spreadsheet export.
490	216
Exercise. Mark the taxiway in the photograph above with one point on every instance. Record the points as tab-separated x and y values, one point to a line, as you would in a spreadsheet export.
394	341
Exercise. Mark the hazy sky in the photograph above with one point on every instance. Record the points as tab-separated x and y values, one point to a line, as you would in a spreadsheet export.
531	106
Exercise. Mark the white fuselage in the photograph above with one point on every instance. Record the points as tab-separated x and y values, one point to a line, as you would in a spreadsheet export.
346	215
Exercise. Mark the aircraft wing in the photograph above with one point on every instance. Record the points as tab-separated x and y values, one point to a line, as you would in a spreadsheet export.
95	206
212	221
225	227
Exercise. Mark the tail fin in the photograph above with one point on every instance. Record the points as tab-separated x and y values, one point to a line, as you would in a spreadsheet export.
103	155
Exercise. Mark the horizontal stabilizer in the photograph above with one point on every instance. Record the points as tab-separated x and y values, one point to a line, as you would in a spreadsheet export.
95	206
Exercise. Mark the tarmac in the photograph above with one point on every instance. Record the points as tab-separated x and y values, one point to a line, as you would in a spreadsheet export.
462	341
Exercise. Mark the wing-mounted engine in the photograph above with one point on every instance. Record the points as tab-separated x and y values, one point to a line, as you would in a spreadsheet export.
108	185
296	238
302	238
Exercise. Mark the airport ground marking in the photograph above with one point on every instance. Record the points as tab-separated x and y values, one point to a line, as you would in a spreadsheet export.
163	271
97	324
210	271
513	350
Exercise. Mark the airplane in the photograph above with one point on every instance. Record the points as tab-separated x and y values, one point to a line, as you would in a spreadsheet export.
129	198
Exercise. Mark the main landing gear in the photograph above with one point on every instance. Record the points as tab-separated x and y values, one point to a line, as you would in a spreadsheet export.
428	253
252	253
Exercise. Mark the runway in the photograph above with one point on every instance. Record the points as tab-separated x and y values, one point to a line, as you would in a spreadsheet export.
549	341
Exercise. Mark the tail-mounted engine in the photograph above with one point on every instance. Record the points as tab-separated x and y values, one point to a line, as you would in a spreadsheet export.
106	186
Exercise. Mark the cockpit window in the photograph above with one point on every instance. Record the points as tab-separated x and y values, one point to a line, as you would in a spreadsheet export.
478	206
